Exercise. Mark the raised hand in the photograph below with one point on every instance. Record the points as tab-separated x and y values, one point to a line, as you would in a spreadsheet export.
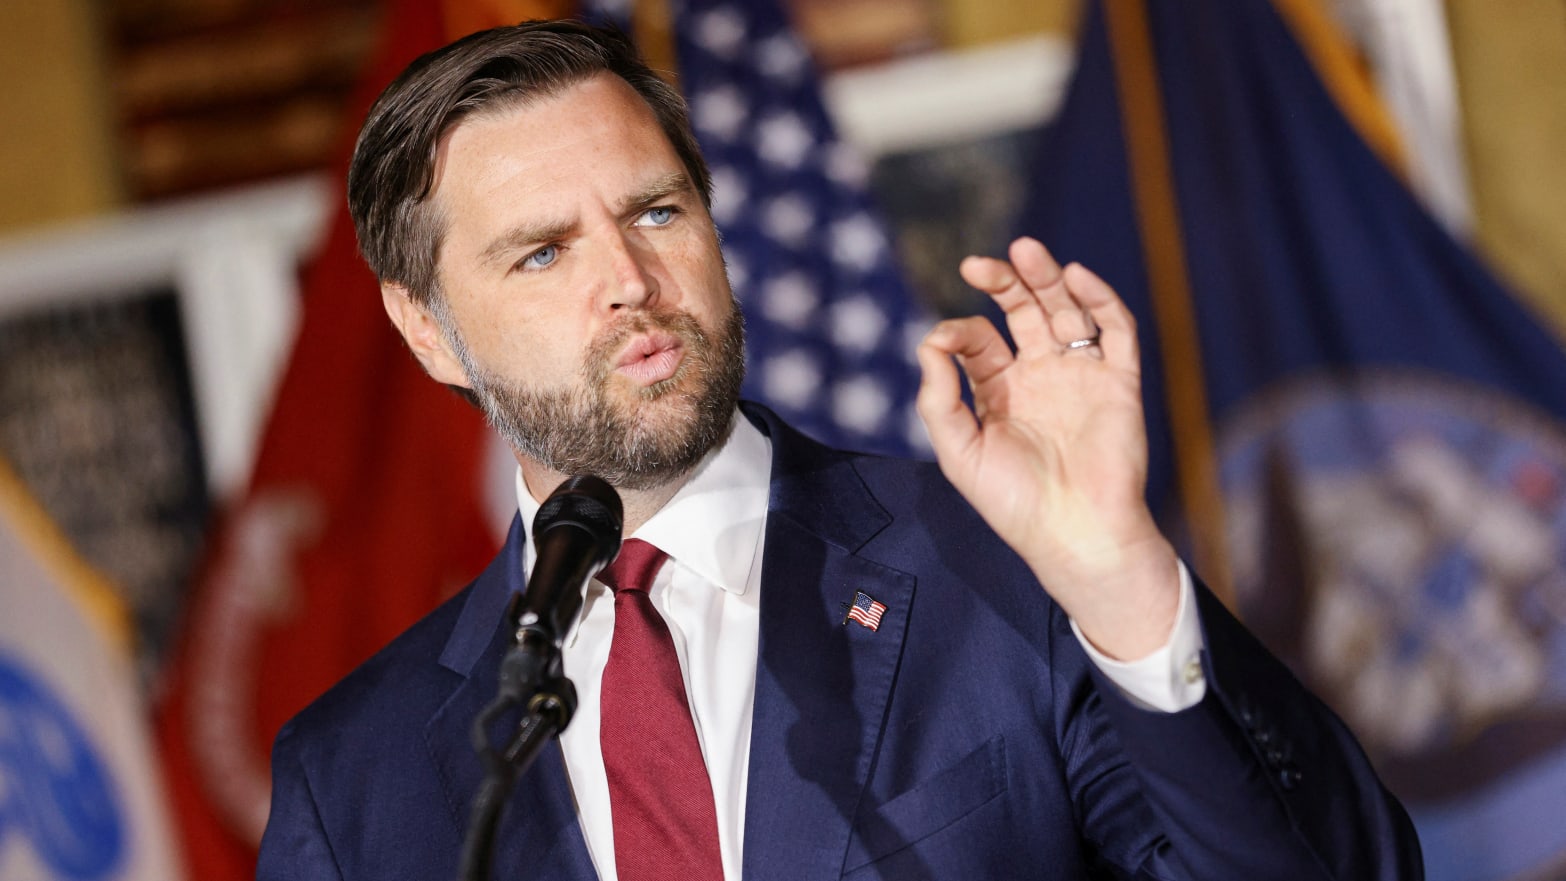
1053	454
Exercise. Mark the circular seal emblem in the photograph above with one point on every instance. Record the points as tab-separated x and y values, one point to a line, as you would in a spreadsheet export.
56	795
1398	539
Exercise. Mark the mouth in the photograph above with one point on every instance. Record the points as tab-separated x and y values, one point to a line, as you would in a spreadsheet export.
650	358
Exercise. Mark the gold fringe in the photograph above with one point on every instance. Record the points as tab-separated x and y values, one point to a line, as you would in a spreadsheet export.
93	593
1346	78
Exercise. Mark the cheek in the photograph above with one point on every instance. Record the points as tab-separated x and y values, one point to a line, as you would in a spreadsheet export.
526	343
707	294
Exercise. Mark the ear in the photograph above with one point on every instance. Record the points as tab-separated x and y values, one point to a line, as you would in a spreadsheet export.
422	333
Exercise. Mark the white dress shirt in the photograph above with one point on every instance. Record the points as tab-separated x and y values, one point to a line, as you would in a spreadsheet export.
709	593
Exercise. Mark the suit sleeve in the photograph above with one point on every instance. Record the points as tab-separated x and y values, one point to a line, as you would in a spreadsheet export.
295	846
1257	780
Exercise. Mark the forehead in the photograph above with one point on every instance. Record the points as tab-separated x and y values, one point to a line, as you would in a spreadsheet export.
595	135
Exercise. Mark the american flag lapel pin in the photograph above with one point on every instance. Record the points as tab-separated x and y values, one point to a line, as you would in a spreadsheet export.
866	611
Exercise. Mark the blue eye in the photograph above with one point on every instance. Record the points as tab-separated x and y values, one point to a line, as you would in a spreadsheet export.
659	216
541	258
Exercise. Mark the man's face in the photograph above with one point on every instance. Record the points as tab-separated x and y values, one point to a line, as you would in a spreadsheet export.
584	291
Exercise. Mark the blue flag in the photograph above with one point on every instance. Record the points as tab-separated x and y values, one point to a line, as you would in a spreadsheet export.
1367	428
83	798
830	326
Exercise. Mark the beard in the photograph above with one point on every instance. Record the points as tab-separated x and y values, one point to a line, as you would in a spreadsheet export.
634	439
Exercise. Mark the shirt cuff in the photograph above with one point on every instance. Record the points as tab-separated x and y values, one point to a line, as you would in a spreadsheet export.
1171	678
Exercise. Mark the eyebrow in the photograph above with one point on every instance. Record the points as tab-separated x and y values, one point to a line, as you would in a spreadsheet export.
526	235
660	189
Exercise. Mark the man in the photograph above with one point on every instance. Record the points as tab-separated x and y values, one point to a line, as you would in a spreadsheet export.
849	666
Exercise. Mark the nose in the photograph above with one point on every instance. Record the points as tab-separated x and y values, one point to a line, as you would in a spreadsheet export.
630	282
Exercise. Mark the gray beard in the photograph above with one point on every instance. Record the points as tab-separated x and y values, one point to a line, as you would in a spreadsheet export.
583	430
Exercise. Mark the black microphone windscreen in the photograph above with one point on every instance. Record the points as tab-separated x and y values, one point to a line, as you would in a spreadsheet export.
588	503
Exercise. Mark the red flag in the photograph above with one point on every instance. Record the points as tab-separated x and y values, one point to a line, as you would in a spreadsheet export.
364	511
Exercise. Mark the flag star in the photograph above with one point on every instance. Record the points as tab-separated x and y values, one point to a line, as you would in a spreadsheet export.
791	379
728	194
914	331
844	165
739	273
860	404
784	140
719	112
781	57
915	431
857	324
857	243
828	314
721	32
787	219
790	300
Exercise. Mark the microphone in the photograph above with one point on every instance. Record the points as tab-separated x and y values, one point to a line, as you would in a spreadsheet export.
576	534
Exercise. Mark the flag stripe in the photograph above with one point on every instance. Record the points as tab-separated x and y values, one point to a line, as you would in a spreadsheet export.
868	619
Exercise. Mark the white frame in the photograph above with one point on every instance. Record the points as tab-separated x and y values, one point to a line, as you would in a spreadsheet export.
232	259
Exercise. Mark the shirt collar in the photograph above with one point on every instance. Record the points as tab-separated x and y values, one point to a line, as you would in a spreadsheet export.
712	526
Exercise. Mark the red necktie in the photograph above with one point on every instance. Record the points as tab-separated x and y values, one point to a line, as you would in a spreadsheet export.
660	798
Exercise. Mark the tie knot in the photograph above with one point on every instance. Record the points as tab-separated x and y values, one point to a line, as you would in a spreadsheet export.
634	568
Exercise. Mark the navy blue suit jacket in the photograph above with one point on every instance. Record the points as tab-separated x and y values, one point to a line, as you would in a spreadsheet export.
969	737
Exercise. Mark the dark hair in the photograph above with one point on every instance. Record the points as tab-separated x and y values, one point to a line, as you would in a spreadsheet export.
393	163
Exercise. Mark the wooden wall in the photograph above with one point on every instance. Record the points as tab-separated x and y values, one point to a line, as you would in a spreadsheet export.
56	155
1511	66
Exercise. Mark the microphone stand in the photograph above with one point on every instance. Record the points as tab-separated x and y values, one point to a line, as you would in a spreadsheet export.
530	677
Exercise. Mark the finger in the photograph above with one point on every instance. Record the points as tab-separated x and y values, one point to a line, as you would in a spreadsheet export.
975	342
1040	271
1024	316
1116	324
952	426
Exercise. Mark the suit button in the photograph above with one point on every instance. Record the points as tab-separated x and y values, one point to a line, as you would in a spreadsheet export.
1289	778
1262	736
1274	757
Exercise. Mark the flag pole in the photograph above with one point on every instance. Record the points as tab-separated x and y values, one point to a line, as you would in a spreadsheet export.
1157	212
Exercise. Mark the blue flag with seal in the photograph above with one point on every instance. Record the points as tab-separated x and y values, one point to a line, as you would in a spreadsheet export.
82	800
1360	434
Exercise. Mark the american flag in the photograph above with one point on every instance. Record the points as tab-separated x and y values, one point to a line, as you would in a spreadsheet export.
866	611
831	326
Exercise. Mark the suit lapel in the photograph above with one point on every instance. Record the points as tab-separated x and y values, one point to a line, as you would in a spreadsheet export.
539	828
821	686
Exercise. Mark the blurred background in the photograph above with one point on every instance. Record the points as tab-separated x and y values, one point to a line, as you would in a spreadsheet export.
1342	224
